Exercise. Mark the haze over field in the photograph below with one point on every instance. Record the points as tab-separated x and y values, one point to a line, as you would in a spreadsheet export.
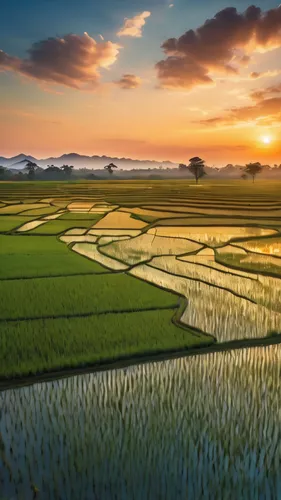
140	79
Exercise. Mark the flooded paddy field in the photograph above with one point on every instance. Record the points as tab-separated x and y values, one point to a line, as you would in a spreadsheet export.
197	427
106	272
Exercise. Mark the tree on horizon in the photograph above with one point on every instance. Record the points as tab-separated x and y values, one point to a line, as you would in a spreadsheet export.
67	169
110	168
196	167
253	169
31	168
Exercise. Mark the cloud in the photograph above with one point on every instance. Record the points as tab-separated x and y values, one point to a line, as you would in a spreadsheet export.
171	5
127	82
255	75
73	61
261	94
266	111
133	27
222	44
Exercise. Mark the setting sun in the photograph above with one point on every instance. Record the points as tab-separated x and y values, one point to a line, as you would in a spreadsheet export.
266	139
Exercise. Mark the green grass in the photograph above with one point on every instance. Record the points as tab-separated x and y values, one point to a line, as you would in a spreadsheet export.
8	223
44	345
27	256
77	295
60	226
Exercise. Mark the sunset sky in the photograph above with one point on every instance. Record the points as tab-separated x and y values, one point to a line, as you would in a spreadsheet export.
143	79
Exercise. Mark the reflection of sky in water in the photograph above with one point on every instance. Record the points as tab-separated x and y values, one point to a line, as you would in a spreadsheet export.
210	235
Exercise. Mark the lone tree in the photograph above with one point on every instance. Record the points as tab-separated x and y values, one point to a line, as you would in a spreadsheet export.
31	168
67	169
196	167
253	169
110	168
2	171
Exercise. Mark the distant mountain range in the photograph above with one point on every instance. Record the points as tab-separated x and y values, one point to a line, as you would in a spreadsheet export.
136	168
82	161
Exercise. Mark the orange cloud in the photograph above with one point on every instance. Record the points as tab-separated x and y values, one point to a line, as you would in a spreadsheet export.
127	82
255	75
73	61
133	27
266	111
259	95
221	45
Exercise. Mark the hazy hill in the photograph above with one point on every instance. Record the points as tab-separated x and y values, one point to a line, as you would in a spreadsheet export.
85	165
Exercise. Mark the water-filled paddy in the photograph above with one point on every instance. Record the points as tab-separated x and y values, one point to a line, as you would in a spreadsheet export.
199	427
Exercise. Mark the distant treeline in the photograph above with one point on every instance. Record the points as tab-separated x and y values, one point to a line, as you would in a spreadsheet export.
195	169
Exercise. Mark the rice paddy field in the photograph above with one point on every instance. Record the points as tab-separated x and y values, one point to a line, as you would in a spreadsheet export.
140	340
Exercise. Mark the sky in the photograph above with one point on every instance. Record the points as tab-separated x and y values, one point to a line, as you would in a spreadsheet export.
158	79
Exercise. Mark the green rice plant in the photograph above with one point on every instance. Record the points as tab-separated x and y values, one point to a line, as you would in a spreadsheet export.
12	222
78	295
42	211
45	345
60	226
257	263
30	256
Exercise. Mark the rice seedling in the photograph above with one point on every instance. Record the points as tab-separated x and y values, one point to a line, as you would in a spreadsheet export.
271	246
258	263
104	240
231	249
217	310
146	246
91	251
27	256
12	222
51	344
212	236
208	427
154	214
78	295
